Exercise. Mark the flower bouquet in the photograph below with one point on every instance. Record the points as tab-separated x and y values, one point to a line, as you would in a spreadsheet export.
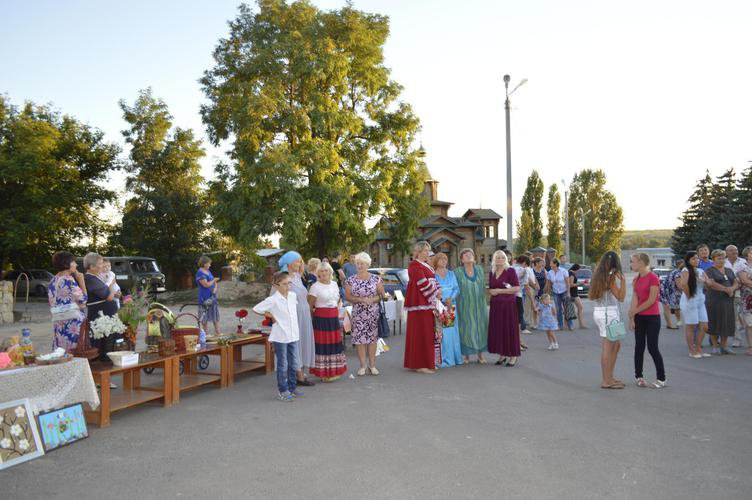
104	326
132	314
448	317
241	315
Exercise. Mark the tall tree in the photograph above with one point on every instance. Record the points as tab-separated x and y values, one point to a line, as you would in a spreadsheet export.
553	212
695	227
532	203
741	215
165	216
52	174
524	241
722	203
603	217
320	139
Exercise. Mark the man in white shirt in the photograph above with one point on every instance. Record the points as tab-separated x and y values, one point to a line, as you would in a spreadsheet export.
736	264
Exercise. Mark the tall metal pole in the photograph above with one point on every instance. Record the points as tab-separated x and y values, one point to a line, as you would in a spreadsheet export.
509	165
583	238
566	217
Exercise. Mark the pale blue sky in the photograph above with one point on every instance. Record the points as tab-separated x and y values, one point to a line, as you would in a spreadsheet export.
652	92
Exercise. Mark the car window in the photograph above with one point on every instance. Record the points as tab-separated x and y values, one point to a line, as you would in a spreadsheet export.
144	266
583	273
41	275
120	266
390	279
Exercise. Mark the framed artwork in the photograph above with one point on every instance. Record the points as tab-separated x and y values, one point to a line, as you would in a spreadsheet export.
64	426
19	437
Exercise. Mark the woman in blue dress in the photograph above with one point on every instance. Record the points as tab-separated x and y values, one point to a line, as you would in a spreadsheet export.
451	353
208	285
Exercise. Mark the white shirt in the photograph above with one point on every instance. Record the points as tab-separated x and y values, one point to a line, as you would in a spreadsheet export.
326	295
738	266
285	314
522	277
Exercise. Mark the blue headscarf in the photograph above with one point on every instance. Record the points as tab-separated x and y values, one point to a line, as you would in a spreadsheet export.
287	259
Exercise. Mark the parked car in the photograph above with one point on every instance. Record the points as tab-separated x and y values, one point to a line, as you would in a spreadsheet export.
661	272
394	278
38	281
584	275
136	273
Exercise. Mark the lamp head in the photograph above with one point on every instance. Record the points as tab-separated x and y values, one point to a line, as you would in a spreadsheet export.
506	80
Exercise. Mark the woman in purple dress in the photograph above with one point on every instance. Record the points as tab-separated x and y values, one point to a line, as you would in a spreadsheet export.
503	325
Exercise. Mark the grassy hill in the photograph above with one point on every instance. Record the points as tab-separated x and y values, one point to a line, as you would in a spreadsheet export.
649	238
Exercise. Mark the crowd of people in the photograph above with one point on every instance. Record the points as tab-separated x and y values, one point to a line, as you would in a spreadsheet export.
455	316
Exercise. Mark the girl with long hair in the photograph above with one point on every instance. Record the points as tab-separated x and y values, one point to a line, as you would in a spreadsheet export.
607	289
692	304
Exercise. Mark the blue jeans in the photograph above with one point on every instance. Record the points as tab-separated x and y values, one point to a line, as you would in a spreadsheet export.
560	299
286	355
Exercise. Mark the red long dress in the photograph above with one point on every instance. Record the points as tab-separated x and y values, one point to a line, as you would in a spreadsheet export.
422	290
503	323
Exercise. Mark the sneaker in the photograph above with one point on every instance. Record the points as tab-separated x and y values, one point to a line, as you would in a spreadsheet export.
285	396
695	356
298	393
526	331
659	384
736	343
704	355
715	351
641	382
373	370
556	346
726	351
550	347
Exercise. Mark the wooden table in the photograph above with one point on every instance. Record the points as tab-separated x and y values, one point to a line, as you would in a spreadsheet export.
192	377
133	392
236	364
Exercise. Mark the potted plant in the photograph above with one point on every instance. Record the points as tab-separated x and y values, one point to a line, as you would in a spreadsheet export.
108	329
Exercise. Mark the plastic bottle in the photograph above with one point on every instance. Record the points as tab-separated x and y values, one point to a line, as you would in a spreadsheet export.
202	338
26	344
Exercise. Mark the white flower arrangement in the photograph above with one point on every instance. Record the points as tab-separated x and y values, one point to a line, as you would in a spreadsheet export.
104	326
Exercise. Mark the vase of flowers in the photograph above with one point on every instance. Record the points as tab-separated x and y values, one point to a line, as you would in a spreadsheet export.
241	315
447	317
132	314
106	330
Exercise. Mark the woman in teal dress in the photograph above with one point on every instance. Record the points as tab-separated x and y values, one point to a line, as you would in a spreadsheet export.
450	339
472	311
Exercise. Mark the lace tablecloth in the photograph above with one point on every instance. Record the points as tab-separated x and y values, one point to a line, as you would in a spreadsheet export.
51	386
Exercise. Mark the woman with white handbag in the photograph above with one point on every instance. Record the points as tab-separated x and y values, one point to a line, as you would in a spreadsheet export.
608	289
67	295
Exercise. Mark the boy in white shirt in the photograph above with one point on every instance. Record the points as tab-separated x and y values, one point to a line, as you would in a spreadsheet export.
281	307
109	277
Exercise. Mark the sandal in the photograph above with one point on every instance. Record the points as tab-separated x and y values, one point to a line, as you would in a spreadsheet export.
501	361
482	361
615	385
361	372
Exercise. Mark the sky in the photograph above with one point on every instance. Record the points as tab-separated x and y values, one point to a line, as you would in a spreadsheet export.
652	92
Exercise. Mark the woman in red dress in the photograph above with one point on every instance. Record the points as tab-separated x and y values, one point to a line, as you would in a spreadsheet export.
423	292
503	325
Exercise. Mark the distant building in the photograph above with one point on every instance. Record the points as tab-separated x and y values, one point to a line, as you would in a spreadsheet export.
478	228
659	257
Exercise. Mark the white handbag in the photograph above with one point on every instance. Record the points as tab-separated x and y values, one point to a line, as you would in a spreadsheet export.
65	312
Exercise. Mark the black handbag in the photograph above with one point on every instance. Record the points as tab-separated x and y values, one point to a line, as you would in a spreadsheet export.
383	322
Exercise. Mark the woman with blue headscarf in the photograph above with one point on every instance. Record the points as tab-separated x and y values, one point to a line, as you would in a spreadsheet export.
292	263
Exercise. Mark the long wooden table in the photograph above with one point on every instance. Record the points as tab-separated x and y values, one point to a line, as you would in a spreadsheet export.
192	377
133	393
237	364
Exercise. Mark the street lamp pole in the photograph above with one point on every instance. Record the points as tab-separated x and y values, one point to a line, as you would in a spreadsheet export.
507	108
566	215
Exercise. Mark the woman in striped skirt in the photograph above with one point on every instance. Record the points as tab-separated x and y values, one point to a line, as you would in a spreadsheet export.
323	297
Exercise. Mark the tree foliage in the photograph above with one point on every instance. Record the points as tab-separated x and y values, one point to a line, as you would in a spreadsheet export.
718	214
604	219
553	213
320	139
531	204
52	174
165	217
524	241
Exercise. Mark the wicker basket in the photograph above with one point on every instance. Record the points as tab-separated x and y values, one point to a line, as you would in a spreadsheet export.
166	347
83	347
180	331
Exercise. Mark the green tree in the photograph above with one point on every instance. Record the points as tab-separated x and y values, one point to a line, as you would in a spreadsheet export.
603	216
722	203
524	241
532	203
52	174
695	227
553	212
320	139
165	217
741	215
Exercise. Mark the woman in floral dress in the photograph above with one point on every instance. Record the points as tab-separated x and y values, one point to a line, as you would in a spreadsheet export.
364	290
67	287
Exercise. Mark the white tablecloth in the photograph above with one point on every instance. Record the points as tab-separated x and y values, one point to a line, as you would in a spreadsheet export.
51	386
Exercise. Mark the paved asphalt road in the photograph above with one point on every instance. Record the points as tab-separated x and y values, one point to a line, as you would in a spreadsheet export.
543	429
